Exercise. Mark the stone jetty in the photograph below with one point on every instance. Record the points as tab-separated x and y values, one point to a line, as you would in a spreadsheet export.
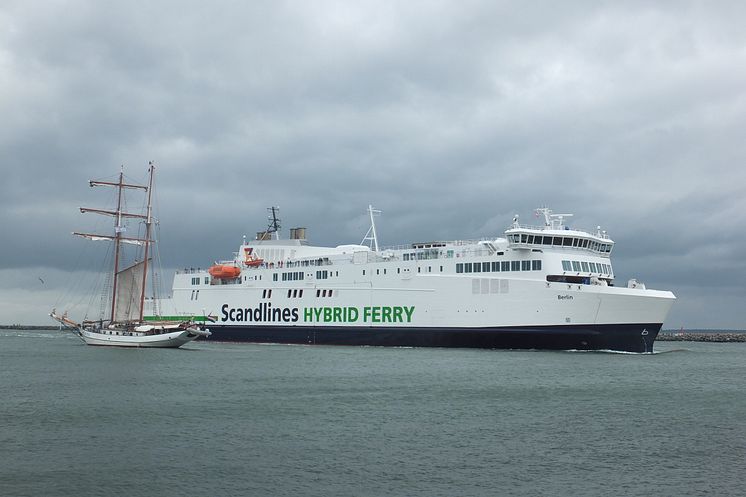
701	336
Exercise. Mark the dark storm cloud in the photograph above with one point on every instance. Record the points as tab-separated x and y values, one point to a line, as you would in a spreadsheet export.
450	117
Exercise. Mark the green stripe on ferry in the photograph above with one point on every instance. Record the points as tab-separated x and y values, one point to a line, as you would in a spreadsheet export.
175	318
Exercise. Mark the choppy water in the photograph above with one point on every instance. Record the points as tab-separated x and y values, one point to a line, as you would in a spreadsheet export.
274	420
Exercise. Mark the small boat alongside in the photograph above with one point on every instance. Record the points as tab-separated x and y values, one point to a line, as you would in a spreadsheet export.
124	324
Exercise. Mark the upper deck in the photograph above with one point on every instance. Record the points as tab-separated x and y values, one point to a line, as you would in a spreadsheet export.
555	234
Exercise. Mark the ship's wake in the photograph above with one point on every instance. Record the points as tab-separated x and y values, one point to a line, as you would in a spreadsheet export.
625	352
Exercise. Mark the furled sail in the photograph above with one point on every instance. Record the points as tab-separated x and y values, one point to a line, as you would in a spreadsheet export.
129	290
131	241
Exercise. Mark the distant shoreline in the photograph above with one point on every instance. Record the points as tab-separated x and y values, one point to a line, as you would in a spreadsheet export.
27	327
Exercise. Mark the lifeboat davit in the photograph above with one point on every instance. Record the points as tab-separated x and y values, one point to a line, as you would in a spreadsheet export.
224	271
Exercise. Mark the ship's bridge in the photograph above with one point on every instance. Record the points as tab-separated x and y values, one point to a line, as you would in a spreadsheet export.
555	234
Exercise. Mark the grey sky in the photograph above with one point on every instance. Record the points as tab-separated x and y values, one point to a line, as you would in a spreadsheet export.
449	116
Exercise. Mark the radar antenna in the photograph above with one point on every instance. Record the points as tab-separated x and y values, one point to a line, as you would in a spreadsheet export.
273	225
551	220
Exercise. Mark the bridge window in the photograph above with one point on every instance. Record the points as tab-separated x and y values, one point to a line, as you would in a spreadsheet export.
505	266
576	266
525	265
477	267
566	266
536	265
460	267
515	265
467	267
585	266
495	266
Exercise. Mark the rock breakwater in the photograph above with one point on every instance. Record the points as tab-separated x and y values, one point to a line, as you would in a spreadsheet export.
694	336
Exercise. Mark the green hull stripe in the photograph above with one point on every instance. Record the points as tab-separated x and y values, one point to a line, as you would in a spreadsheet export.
175	318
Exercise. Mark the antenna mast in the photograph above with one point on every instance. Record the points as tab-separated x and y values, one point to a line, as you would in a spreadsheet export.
274	224
371	235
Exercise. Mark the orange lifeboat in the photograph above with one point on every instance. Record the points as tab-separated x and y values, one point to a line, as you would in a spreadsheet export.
250	259
224	271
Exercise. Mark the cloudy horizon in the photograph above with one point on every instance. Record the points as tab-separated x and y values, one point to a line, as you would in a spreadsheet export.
450	117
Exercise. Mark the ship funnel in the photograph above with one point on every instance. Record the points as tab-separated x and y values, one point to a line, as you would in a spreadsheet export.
297	233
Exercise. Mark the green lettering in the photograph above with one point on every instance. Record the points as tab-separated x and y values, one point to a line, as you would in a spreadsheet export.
352	314
327	314
376	317
308	314
386	315
317	312
366	314
397	314
337	315
409	311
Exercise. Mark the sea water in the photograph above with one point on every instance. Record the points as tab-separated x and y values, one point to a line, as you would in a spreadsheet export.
274	420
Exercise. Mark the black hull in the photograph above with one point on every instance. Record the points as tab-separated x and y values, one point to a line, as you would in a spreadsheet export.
621	337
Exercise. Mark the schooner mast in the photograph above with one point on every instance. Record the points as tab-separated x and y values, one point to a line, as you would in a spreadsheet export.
118	239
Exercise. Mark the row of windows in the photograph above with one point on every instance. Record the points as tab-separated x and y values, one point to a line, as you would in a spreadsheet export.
195	280
586	267
292	276
292	293
425	255
560	241
498	266
300	275
406	270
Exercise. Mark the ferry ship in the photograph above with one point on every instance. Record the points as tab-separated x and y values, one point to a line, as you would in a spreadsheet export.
535	287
